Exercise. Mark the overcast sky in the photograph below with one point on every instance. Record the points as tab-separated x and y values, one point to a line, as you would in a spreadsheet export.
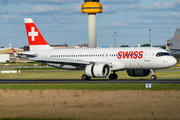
61	21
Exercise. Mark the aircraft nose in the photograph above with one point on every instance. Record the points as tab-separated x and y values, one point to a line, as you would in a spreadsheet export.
173	61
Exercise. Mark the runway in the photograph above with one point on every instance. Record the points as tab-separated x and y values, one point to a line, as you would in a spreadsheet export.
67	81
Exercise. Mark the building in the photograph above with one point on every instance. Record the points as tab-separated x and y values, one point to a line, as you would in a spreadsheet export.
173	44
4	57
85	45
61	46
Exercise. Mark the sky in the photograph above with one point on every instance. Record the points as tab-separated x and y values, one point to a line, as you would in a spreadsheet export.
61	21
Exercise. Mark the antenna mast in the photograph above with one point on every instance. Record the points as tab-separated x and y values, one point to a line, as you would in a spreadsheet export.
114	39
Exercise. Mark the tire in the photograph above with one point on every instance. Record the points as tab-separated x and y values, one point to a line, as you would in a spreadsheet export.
153	77
85	77
113	76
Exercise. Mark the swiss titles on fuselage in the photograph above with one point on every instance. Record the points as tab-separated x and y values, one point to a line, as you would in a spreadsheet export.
130	55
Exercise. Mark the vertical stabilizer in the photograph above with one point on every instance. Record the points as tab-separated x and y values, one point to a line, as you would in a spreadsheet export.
35	39
176	39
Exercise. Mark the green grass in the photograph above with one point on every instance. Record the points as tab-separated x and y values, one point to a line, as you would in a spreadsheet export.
20	64
26	69
76	74
89	86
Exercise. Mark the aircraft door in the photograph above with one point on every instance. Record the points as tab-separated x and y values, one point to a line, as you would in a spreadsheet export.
147	56
46	54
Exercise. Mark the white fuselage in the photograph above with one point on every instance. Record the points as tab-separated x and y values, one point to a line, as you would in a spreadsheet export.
119	58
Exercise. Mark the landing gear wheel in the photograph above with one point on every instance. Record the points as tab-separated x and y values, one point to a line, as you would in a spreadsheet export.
153	77
85	77
113	76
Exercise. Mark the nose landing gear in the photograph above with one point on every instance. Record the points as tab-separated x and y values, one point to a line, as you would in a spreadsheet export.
153	77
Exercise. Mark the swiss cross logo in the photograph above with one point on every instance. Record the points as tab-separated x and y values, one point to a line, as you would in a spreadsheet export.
32	33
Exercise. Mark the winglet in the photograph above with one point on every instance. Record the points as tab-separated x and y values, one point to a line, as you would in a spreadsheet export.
14	51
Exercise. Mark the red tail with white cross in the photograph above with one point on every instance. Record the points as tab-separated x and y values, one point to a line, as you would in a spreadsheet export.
36	40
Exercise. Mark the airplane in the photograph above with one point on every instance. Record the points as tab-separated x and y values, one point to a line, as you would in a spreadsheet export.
97	62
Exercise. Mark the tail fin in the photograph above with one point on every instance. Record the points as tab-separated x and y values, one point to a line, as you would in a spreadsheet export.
36	40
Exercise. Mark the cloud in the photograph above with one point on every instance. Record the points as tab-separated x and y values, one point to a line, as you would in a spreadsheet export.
9	19
109	9
169	6
3	11
76	9
67	20
171	16
43	9
150	23
121	1
117	24
4	2
52	1
49	2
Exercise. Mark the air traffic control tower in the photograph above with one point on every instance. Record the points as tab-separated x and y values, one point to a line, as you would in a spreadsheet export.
92	7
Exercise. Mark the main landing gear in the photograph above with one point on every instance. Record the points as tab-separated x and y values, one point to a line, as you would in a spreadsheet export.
153	77
113	76
85	77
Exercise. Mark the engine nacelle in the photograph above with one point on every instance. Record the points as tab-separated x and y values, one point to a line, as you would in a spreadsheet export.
138	73
98	70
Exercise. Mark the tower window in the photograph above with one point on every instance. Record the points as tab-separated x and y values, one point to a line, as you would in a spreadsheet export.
91	0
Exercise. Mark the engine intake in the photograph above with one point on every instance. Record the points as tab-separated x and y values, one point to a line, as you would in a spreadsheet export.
138	73
98	70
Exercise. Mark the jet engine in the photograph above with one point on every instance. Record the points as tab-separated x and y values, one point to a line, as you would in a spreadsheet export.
98	70
138	73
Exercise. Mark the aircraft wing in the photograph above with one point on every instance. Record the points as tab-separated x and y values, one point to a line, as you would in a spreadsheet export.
76	62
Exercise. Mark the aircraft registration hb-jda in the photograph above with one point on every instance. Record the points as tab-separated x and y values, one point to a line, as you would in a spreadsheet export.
97	62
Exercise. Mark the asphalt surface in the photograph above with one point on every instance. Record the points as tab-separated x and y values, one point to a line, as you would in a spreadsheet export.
36	81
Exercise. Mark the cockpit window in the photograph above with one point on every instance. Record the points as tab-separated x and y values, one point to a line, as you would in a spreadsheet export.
163	54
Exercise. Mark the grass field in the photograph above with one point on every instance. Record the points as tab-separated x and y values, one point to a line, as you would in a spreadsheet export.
68	74
90	104
20	64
